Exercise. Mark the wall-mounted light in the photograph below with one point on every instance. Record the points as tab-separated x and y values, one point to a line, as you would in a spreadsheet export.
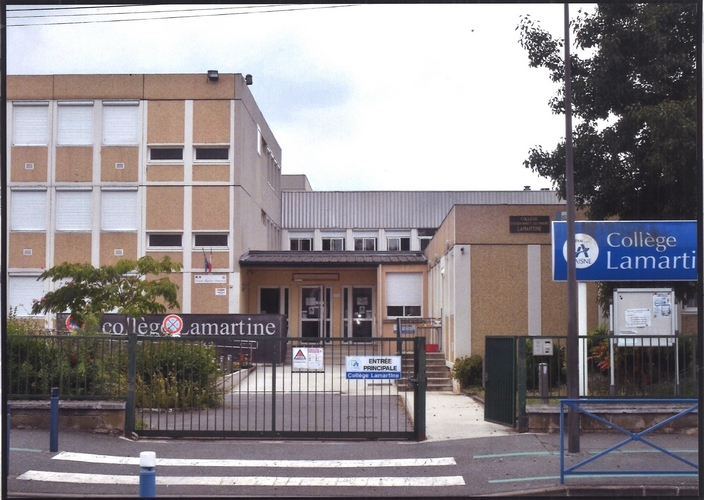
213	75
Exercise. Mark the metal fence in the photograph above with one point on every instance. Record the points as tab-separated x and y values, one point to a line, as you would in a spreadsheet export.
612	366
82	368
230	387
305	392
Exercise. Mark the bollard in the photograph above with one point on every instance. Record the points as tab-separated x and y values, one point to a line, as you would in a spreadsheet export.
543	383
54	420
147	474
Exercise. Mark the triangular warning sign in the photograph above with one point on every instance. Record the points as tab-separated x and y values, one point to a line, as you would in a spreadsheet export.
300	355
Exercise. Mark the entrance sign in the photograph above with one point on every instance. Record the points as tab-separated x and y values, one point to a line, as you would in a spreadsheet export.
373	367
628	250
308	359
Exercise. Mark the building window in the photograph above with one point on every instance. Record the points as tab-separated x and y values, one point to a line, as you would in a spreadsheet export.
119	210
212	153
211	240
301	244
398	244
28	210
333	244
30	124
259	140
121	123
166	153
365	244
404	294
75	124
425	235
23	292
74	210
165	240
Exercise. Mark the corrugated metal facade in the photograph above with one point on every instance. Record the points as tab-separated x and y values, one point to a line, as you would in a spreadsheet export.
392	209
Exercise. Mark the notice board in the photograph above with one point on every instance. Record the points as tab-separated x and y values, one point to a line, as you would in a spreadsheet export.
644	311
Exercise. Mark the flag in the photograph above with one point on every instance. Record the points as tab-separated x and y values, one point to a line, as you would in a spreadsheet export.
208	263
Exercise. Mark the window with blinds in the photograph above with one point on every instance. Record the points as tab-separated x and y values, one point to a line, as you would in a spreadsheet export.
121	123
30	124
73	210
28	210
75	127
119	210
404	294
23	291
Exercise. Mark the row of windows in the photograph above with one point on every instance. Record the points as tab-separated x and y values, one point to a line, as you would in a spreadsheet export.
74	210
175	240
201	153
75	123
364	244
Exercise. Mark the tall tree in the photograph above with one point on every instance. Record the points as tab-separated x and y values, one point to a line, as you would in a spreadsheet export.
634	102
89	292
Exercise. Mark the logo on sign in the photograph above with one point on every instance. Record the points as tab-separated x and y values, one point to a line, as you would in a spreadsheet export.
586	250
172	324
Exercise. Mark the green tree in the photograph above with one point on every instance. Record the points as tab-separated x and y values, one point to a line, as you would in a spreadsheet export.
89	292
634	103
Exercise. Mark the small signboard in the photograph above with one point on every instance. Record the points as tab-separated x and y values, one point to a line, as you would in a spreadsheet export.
220	292
373	367
644	311
308	359
210	278
529	224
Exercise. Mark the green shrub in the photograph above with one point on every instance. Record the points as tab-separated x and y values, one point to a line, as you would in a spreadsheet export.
468	371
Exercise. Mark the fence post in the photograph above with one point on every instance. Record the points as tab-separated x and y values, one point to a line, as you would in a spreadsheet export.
399	344
419	393
131	383
54	420
521	375
274	358
6	464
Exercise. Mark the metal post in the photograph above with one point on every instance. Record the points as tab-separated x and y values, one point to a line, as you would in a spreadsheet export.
572	312
543	383
54	420
147	474
419	393
274	358
520	381
131	384
6	472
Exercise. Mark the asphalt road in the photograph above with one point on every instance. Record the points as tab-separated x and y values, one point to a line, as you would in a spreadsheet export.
501	465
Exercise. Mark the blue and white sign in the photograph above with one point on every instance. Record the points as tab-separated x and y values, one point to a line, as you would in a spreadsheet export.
628	250
373	367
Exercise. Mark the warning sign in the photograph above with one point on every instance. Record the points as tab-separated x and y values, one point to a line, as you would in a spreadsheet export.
307	359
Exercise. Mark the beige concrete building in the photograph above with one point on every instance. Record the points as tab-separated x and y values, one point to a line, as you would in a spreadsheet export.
104	167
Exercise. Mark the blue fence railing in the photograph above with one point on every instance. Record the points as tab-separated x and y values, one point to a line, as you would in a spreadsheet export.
639	437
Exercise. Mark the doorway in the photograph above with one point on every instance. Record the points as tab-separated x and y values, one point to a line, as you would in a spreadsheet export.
357	312
316	302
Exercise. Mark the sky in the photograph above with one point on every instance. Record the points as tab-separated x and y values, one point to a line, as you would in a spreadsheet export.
360	97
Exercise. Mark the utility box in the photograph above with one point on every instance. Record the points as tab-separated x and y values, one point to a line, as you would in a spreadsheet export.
542	347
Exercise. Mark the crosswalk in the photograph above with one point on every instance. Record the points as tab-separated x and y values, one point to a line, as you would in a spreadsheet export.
397	464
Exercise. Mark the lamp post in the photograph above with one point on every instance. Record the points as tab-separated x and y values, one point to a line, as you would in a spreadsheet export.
572	312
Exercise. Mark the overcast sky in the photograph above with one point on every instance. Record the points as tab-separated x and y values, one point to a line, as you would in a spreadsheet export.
365	97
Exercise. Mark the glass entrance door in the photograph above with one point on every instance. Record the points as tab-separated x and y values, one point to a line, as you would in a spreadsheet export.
358	312
315	311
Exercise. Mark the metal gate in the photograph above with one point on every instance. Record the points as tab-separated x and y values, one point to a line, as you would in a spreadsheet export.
197	387
500	383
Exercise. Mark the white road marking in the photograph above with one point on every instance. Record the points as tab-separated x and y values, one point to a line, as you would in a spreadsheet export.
202	462
72	477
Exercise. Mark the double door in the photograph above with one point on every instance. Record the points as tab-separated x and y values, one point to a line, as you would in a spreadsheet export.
316	312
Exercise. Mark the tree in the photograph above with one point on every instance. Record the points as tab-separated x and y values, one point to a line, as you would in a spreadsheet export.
89	292
634	102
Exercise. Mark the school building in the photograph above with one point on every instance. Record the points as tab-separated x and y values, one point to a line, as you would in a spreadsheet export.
105	167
